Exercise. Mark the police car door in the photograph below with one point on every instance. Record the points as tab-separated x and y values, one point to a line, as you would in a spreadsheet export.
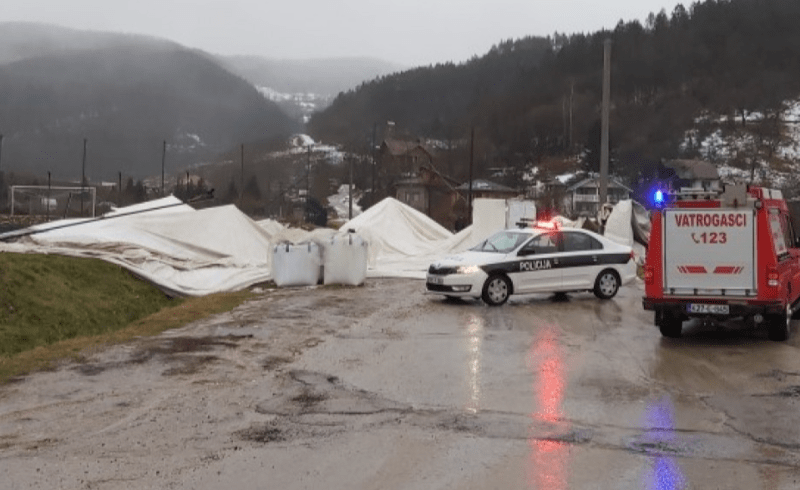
538	265
581	260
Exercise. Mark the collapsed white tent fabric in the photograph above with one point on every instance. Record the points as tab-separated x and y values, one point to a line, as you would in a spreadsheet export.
189	252
620	228
182	251
401	239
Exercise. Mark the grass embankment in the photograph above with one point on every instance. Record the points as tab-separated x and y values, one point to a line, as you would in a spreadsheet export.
54	307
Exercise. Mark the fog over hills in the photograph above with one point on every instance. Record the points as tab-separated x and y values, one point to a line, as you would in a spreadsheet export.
22	40
321	76
301	87
126	95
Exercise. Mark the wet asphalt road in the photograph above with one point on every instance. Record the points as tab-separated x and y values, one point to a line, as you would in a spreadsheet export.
384	387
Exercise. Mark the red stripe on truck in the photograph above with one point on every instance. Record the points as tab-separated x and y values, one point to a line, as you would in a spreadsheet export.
692	269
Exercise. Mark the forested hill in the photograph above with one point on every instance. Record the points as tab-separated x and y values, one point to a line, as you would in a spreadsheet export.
125	95
727	57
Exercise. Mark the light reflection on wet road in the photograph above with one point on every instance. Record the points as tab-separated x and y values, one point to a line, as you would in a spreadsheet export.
549	458
474	342
664	474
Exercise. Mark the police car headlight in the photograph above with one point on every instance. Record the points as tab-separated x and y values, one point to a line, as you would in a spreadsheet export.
467	269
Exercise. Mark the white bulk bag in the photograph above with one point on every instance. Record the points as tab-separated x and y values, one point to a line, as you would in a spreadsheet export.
296	265
345	259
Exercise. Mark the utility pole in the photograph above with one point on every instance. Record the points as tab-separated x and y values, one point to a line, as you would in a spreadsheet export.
374	163
571	102
604	150
83	174
163	159
308	178
471	159
48	195
119	191
350	192
241	177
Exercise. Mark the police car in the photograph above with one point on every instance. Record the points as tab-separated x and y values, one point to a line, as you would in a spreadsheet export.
543	258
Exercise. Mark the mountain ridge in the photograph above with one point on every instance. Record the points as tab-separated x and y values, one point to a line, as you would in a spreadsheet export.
126	95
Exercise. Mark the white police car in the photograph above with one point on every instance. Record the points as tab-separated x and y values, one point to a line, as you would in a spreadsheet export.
534	260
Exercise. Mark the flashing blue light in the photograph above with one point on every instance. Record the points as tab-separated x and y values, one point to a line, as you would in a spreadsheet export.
658	197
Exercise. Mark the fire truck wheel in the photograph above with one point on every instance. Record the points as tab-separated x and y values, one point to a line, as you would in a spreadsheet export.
779	325
496	290
670	325
607	284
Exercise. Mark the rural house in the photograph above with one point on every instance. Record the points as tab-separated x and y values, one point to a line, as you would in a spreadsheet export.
583	198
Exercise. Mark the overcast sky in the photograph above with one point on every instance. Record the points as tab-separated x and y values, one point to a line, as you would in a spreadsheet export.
409	32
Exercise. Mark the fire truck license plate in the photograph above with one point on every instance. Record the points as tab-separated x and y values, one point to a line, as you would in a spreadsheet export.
704	308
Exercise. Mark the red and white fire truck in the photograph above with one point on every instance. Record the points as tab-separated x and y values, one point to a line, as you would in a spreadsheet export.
722	252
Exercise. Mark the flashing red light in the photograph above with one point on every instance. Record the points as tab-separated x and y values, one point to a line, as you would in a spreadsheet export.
548	225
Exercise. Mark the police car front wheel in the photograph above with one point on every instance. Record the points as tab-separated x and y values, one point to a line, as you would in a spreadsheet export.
606	285
496	290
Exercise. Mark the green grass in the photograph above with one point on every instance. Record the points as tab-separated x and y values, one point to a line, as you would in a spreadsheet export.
54	307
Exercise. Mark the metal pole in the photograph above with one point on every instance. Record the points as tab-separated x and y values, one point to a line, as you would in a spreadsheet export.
47	204
163	159
308	175
119	191
350	192
241	177
471	158
374	163
571	97
83	174
604	123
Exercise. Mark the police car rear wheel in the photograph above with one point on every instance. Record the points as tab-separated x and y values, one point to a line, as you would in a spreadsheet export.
496	290
606	285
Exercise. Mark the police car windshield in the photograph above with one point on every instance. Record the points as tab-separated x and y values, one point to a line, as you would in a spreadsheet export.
503	242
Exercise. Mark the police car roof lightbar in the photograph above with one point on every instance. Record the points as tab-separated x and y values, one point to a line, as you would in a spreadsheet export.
547	225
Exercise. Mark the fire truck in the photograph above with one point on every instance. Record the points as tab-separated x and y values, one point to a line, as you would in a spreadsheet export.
718	252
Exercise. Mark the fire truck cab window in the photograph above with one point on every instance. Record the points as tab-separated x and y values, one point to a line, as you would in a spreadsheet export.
781	233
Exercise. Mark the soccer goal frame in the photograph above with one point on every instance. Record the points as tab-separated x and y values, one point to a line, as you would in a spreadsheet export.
43	199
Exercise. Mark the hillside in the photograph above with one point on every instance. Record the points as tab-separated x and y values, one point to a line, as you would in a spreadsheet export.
126	95
535	99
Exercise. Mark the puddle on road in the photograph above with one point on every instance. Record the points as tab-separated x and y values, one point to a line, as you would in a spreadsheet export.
181	352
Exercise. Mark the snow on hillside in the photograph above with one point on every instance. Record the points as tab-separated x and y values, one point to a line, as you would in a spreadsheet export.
297	104
741	152
340	202
300	144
